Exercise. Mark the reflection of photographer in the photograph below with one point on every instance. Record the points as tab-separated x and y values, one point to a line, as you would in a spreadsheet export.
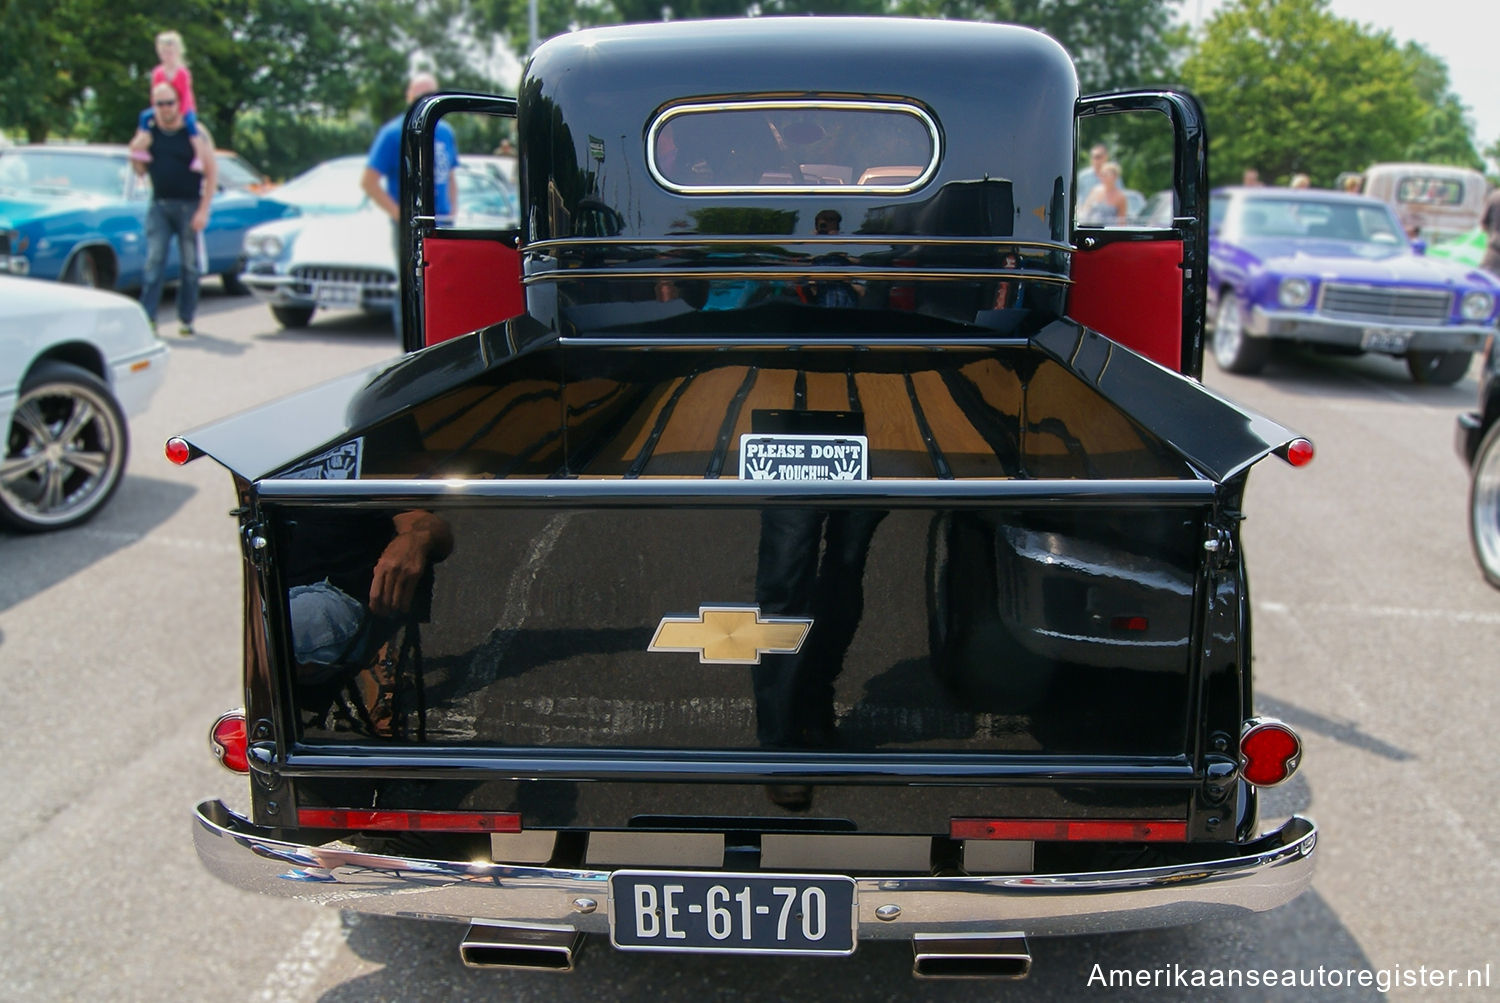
794	693
355	579
834	294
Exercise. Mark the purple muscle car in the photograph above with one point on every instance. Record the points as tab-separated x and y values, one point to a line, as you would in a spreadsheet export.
1336	271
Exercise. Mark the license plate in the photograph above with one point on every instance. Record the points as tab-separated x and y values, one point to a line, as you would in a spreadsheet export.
804	457
337	294
732	913
1375	339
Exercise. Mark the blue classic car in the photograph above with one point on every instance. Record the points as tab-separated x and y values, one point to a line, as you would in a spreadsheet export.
77	213
1335	271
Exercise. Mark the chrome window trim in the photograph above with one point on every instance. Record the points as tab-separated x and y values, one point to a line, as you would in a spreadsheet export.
675	111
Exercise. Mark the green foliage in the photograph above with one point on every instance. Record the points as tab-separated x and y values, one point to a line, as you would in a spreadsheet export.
1446	136
82	68
1288	87
1122	43
283	144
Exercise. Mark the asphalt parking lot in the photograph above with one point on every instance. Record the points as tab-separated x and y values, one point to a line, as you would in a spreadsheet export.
119	643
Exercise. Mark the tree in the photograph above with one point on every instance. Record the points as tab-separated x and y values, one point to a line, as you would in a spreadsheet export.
287	58
1446	137
1287	87
1119	44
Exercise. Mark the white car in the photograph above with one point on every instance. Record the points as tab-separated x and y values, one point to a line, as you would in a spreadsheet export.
73	363
339	252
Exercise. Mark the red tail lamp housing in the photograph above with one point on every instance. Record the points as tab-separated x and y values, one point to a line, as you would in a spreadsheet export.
1298	452
178	451
409	821
1270	752
229	740
1125	830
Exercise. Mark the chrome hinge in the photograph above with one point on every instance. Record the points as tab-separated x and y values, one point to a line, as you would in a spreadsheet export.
1218	547
257	546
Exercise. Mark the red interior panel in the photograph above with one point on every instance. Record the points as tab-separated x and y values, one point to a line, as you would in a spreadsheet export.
1131	291
468	284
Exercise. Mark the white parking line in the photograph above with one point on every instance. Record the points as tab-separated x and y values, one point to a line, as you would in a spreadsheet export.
1383	612
293	979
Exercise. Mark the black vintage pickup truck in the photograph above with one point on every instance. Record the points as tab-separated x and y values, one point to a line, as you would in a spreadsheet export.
799	531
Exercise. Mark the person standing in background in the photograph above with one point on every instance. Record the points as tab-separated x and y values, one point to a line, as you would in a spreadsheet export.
1088	178
381	180
1490	222
1106	204
171	70
180	204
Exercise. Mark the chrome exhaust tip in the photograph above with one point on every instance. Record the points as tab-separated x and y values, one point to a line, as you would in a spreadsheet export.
971	956
489	945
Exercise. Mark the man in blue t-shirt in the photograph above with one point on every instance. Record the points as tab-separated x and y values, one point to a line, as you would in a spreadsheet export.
382	177
381	180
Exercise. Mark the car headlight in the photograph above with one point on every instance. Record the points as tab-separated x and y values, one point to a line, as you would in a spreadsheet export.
1476	306
1294	292
263	245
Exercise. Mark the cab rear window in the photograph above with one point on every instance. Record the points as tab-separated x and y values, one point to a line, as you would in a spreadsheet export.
1430	191
863	146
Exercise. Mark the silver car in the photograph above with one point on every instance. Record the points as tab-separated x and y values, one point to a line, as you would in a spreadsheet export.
73	363
338	253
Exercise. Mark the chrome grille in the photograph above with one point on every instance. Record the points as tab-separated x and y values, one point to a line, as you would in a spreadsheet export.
376	282
1426	306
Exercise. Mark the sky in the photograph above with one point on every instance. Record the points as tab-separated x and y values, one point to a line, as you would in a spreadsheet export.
1460	32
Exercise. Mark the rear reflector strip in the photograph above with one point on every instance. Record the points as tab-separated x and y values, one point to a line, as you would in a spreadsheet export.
1065	830
408	821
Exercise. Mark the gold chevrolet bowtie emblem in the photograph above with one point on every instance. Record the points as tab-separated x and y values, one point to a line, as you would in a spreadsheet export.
730	634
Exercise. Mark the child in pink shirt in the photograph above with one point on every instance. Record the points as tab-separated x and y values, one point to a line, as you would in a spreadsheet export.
172	70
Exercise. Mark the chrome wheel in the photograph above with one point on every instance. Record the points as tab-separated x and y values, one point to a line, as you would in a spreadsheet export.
64	451
1234	351
1484	506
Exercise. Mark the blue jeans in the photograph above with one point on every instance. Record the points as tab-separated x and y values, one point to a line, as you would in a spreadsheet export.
331	630
165	219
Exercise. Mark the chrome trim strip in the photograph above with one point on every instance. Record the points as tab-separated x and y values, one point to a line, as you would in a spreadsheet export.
1267	873
791	274
827	104
751	766
777	240
840	342
895	491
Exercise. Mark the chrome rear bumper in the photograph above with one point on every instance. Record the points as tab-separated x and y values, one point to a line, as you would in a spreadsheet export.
1267	873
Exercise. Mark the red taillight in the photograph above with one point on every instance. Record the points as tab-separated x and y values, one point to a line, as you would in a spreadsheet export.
1270	752
1299	452
409	821
230	742
178	451
1078	831
1134	623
